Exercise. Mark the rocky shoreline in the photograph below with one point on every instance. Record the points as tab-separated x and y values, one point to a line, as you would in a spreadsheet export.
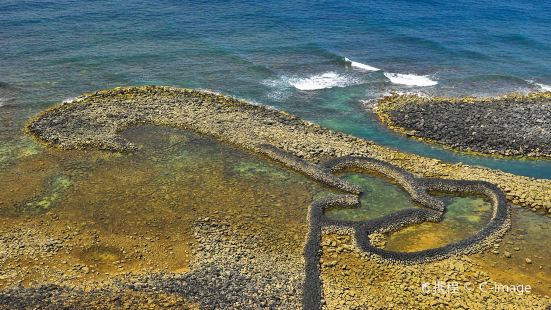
94	121
510	125
233	264
229	272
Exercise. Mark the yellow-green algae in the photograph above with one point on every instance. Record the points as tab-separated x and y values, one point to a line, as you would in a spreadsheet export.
131	212
464	217
13	150
251	169
43	203
113	233
380	197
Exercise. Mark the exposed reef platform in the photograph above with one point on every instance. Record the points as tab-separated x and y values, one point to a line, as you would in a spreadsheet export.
94	121
510	125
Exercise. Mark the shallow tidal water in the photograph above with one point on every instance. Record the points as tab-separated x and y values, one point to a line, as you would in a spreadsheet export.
380	197
139	208
135	212
465	215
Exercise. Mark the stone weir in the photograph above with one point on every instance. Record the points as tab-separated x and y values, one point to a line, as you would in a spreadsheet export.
94	121
418	188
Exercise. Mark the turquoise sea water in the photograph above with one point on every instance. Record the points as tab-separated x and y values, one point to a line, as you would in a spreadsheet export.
289	54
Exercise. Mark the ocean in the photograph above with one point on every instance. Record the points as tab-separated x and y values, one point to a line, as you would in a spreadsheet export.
326	61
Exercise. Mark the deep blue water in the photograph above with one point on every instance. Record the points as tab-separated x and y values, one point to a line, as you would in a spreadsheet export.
289	54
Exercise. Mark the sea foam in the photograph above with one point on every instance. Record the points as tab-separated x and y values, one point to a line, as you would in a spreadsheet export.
410	79
69	100
543	87
360	65
322	81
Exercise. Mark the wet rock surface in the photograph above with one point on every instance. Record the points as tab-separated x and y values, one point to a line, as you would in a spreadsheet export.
353	281
512	125
94	121
54	297
229	271
230	267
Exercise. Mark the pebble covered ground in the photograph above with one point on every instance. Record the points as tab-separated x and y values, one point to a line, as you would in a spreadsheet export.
217	258
511	125
352	281
93	121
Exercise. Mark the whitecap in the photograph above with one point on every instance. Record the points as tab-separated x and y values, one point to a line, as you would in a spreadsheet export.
360	65
322	81
281	89
543	87
68	100
410	79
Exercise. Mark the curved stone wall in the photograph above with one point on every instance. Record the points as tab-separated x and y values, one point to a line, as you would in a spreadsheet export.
418	188
95	124
94	121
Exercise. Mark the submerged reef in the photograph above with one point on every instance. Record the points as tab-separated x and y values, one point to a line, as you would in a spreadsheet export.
43	203
510	125
94	121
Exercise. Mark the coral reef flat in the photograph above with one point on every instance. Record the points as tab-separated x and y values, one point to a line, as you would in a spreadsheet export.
510	125
267	155
215	251
180	209
93	121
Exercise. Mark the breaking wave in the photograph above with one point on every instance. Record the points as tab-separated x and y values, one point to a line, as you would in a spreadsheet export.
322	81
360	65
410	79
543	87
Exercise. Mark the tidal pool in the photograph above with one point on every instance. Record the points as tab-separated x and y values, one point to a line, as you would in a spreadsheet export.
118	213
464	217
380	197
522	257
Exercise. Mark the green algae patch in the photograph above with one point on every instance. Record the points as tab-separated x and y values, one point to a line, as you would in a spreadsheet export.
135	213
14	150
380	197
464	217
59	186
150	204
252	169
95	121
